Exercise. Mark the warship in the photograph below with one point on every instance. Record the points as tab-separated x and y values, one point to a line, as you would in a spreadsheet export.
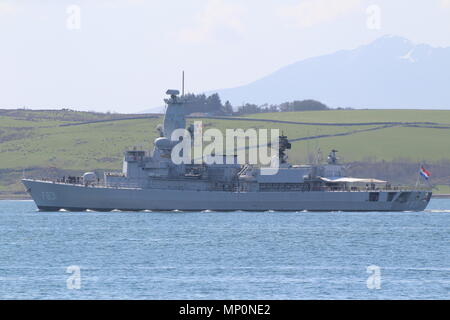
152	181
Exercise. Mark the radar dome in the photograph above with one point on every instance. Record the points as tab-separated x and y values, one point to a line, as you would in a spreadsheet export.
89	177
163	143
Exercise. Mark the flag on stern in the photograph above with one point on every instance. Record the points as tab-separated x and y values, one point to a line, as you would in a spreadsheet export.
424	173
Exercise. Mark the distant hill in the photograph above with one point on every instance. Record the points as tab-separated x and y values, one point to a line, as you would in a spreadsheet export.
160	109
391	72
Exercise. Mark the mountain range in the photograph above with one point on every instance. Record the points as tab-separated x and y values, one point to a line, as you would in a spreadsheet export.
391	72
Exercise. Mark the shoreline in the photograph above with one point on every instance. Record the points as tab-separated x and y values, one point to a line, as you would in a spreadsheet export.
441	196
14	197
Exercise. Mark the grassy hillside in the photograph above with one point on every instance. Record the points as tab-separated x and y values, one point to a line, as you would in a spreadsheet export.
361	116
43	141
427	142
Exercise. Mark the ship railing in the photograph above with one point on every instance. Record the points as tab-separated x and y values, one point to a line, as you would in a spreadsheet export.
372	189
78	181
121	185
93	184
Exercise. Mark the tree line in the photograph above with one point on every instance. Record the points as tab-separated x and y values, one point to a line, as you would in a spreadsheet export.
200	103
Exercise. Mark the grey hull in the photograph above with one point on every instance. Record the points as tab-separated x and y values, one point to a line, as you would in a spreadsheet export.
50	196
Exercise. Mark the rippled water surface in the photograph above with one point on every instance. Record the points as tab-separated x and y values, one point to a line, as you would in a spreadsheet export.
217	255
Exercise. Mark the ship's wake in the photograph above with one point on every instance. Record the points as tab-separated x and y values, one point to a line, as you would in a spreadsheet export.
438	210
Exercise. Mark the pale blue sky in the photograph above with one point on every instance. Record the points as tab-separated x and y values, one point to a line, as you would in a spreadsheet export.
128	52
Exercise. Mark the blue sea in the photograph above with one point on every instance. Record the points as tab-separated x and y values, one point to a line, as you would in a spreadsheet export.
218	255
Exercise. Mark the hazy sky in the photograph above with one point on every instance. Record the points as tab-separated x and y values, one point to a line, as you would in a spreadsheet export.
122	55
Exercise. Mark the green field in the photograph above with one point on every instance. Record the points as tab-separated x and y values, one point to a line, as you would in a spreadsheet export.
36	141
360	116
442	189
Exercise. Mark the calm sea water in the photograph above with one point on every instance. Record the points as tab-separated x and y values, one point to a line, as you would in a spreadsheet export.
215	255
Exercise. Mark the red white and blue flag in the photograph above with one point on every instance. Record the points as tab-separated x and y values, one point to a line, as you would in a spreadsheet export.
425	173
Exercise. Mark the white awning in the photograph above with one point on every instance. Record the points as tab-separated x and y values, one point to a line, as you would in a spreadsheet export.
351	180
